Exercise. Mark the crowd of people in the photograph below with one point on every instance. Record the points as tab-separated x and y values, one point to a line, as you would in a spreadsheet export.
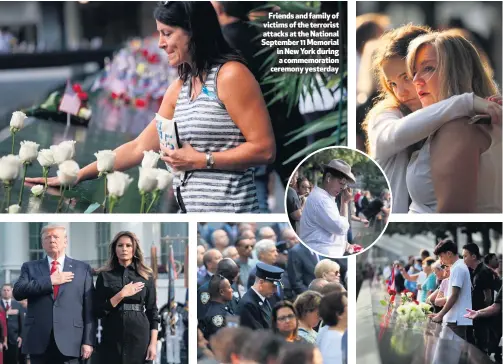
264	297
322	215
51	314
464	289
417	120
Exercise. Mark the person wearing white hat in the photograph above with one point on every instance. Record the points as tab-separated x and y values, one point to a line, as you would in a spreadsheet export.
323	227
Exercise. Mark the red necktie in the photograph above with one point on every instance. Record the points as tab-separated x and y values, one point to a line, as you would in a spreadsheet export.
7	307
54	268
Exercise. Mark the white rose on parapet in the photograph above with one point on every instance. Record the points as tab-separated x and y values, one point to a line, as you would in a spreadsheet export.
117	183
68	173
46	158
148	179
37	190
14	209
150	159
164	179
106	160
28	151
63	151
17	120
10	167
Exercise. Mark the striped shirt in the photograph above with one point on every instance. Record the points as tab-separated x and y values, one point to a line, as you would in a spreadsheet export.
206	125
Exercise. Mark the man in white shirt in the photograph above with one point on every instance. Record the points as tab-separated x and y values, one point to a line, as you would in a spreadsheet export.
323	227
459	291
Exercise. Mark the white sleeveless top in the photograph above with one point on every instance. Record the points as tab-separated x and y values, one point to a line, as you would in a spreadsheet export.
420	183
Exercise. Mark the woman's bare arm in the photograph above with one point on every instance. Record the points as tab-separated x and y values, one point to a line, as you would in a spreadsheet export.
240	93
455	152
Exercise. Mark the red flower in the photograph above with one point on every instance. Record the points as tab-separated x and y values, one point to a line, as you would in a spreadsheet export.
391	292
77	88
114	96
144	52
154	59
392	299
83	96
140	103
417	303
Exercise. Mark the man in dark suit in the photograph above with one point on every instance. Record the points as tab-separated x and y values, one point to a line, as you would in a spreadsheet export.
254	308
60	326
300	267
15	322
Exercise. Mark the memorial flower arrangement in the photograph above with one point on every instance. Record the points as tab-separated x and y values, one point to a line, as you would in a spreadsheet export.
50	108
137	75
152	181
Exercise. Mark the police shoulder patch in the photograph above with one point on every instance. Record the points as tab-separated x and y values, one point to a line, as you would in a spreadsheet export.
218	320
205	297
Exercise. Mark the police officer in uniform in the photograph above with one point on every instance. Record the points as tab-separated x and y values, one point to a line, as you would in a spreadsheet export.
254	308
229	270
221	294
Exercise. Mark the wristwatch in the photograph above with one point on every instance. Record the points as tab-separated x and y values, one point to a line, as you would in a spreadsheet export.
210	161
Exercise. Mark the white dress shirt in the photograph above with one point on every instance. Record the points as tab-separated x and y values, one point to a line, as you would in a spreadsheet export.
61	261
321	226
258	294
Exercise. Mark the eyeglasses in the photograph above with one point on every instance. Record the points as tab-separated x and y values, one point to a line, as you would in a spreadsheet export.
286	318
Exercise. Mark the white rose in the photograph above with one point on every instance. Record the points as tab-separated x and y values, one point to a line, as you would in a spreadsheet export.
150	159
63	151
46	158
106	160
17	120
148	179
164	179
117	183
68	173
10	167
28	151
37	190
14	209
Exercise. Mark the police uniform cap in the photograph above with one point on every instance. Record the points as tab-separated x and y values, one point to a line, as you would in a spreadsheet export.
269	272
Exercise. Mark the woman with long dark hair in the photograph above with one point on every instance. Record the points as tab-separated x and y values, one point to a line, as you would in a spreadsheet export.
285	321
222	119
126	303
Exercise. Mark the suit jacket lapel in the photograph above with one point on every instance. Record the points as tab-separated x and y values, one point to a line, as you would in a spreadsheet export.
263	307
43	267
68	267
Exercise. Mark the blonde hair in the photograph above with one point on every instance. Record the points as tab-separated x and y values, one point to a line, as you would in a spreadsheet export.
394	44
113	260
325	266
460	67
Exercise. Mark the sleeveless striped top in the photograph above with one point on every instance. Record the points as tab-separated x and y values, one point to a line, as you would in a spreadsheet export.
206	125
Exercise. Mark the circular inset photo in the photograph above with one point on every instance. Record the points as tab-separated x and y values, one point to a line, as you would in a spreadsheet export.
338	201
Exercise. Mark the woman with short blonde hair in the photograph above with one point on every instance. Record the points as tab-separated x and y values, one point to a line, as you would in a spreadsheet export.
328	270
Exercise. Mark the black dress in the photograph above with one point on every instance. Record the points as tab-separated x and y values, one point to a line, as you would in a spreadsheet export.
126	333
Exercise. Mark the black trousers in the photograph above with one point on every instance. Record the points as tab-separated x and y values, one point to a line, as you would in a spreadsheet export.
459	330
52	355
10	356
479	335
